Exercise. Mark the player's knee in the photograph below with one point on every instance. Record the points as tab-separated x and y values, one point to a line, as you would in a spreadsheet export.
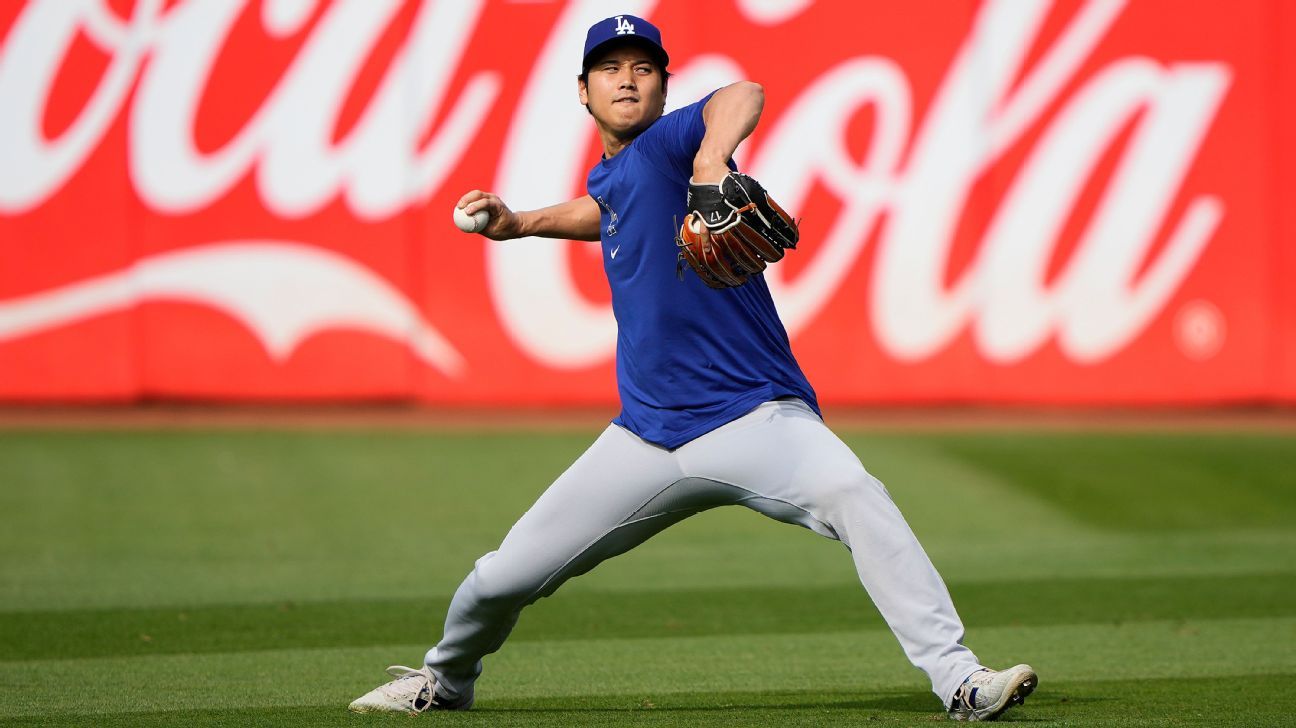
495	584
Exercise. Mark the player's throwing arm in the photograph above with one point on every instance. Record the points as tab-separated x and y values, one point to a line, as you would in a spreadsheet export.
576	219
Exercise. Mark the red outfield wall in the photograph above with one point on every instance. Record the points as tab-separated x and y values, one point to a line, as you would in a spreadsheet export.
1006	201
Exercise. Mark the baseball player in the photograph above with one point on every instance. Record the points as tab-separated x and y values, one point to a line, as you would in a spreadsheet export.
715	409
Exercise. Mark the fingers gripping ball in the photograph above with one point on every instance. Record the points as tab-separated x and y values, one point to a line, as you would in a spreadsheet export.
732	231
473	223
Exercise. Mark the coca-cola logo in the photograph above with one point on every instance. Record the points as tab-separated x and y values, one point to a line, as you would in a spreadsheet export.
1095	307
907	192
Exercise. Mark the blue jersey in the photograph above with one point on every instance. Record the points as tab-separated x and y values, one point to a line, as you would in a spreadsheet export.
689	358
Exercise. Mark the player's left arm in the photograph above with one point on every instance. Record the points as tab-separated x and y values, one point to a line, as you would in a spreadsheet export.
730	116
733	228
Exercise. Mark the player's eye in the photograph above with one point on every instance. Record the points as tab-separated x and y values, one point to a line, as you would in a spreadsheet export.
643	70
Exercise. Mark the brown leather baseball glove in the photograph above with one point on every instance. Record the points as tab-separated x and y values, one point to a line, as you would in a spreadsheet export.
732	231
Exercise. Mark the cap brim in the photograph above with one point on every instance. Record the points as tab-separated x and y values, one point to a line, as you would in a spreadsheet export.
658	53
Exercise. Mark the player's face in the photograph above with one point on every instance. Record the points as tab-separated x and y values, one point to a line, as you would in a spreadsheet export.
624	91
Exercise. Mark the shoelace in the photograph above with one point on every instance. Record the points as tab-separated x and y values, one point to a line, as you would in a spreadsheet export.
965	697
398	691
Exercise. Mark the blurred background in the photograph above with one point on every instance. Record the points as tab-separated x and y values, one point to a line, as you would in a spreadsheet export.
1002	202
262	405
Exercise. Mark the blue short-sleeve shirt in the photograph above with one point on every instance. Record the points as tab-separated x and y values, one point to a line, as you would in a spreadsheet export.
689	358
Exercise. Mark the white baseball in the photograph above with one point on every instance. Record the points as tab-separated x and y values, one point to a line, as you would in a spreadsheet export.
473	223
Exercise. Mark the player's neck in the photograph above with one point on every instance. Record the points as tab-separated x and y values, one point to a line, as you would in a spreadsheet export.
614	144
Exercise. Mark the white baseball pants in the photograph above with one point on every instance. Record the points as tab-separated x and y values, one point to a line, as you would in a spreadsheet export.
779	459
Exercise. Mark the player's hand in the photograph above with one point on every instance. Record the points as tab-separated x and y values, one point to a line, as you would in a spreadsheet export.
733	230
504	224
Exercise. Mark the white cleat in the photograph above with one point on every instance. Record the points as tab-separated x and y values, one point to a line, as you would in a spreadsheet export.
413	691
986	694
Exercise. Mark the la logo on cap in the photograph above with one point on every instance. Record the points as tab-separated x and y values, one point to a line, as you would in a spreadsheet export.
624	26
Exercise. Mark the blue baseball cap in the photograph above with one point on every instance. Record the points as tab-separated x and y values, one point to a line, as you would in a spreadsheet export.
623	28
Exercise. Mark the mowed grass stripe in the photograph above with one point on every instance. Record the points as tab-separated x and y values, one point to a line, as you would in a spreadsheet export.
1160	481
1215	702
154	518
100	633
526	671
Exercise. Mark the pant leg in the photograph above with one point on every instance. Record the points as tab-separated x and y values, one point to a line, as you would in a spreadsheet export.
798	471
618	494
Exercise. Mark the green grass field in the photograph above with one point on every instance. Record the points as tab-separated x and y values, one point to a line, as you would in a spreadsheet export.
266	578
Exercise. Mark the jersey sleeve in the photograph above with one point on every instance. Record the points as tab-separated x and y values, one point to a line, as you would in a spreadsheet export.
671	143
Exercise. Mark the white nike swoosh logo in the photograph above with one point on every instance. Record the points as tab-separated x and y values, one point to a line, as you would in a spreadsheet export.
614	252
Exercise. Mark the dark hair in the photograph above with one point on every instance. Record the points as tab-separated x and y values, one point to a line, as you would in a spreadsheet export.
656	60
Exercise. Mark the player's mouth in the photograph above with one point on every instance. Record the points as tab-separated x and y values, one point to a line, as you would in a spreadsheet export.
631	99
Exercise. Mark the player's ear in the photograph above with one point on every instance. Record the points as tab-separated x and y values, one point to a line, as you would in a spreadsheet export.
582	90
